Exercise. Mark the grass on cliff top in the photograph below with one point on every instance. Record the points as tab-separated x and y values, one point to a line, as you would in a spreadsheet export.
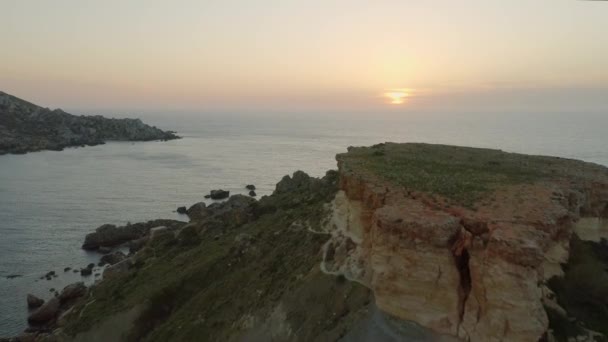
462	174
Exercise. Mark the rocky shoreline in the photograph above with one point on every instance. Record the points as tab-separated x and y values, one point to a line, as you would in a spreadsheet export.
26	127
470	244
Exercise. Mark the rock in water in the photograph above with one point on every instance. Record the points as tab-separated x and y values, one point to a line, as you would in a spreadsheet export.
250	187
33	301
46	312
108	235
181	210
86	271
197	211
252	193
219	194
26	127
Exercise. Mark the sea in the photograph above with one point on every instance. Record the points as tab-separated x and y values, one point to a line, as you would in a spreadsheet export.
50	200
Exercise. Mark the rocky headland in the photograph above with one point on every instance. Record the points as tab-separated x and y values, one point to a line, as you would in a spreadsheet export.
26	127
410	242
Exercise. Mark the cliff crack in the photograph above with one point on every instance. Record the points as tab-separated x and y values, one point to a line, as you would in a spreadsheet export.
461	260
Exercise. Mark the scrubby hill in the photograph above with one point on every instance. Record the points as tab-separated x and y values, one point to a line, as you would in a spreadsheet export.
26	127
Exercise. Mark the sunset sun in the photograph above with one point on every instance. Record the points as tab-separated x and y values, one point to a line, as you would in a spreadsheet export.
396	96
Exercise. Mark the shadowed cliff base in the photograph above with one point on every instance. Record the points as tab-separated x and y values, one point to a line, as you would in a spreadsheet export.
369	252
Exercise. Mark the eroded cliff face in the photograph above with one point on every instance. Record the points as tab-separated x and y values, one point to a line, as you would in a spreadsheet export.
473	270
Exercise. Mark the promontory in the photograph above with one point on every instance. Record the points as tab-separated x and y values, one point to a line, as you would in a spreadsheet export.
26	127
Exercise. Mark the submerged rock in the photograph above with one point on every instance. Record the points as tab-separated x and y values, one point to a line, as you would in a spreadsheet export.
87	270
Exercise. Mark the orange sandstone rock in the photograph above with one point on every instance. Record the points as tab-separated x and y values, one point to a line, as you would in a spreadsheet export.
466	264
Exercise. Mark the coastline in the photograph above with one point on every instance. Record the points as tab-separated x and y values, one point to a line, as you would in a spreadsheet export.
227	240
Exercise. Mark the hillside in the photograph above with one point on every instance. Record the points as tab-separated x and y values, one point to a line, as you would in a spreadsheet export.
26	127
404	242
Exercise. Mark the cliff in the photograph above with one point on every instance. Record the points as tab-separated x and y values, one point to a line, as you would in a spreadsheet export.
406	242
461	240
26	127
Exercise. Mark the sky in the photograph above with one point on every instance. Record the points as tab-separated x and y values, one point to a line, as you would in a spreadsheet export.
306	56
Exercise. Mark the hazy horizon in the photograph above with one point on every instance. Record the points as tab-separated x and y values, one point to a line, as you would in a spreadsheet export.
141	58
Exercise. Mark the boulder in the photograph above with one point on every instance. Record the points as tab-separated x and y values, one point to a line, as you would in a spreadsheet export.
197	211
219	194
138	244
252	193
109	235
181	210
117	269
161	235
27	337
33	301
234	212
250	187
299	180
189	235
104	250
112	258
242	242
46	312
72	291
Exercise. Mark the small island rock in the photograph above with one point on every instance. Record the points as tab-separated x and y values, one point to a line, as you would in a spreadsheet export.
219	194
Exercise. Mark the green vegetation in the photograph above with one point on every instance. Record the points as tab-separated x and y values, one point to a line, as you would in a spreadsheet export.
583	291
461	174
204	289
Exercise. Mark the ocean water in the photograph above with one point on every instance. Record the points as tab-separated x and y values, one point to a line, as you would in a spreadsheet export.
50	200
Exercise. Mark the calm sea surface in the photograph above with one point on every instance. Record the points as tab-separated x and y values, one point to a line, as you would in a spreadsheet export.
50	200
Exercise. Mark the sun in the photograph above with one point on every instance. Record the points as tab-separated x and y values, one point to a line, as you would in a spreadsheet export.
396	96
